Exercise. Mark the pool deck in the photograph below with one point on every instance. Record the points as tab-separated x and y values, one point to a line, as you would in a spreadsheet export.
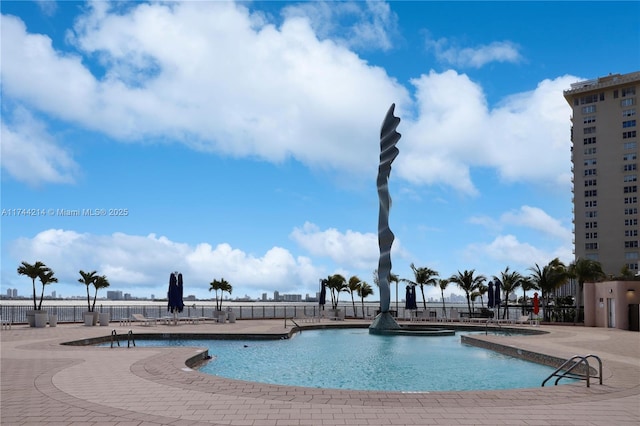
44	383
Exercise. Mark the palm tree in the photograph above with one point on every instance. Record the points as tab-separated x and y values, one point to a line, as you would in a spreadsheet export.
364	290
352	287
88	278
509	281
443	283
423	276
222	286
482	290
584	270
547	279
468	283
33	271
336	283
98	283
46	278
527	284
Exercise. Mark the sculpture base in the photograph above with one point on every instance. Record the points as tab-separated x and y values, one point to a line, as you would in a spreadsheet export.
384	321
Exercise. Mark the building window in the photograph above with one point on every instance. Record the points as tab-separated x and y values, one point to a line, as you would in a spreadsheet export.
627	102
591	235
631	255
631	200
629	112
591	225
632	266
631	233
588	130
590	172
589	109
589	99
630	145
589	119
627	135
630	189
591	214
628	91
590	162
631	244
591	182
591	193
589	141
628	123
630	222
630	157
592	203
591	246
631	211
631	178
590	151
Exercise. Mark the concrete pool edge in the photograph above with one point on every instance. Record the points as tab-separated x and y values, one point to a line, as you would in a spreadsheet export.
147	386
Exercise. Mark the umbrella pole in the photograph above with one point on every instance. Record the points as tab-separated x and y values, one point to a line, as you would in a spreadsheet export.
175	317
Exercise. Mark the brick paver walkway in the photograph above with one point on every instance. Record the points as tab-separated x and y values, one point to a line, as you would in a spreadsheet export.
44	383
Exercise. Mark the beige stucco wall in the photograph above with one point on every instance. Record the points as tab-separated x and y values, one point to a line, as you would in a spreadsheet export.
597	305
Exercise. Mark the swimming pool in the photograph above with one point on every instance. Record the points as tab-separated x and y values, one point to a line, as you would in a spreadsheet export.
354	359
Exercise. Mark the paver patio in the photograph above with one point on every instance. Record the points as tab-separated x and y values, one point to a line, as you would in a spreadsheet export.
45	383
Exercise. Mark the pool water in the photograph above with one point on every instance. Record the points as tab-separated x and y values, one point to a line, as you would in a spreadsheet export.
354	359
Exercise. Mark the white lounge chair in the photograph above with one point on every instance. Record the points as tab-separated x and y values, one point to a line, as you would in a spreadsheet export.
524	319
144	320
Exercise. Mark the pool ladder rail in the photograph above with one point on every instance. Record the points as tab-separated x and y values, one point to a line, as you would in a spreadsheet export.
130	339
566	370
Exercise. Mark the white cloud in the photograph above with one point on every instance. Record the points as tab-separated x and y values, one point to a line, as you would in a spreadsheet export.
349	249
358	25
145	262
474	57
508	251
48	7
30	154
526	137
280	92
537	219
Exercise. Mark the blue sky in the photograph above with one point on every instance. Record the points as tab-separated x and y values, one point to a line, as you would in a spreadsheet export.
241	140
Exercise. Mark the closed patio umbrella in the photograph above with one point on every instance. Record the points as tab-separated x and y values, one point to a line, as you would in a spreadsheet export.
536	303
323	294
174	295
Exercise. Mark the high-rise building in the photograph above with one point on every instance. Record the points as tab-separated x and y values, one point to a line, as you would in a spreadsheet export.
605	171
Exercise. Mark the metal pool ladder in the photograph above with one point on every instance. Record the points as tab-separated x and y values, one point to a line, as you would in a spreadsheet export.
566	369
130	340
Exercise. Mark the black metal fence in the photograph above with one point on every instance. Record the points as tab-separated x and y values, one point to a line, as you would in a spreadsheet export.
16	314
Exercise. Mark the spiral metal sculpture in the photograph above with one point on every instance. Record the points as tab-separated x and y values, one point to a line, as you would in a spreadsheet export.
388	152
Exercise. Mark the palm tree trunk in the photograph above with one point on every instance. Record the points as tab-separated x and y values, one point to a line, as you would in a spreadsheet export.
444	309
469	304
33	281
353	303
362	307
424	302
95	296
41	297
